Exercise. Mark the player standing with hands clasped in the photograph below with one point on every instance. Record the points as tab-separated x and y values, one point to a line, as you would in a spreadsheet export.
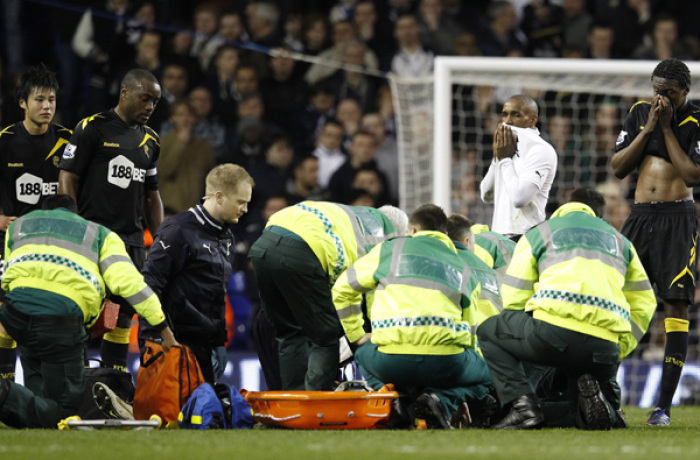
661	139
523	168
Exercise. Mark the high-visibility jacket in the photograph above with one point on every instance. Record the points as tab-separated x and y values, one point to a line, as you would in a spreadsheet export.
493	248
60	252
489	303
424	296
577	272
337	234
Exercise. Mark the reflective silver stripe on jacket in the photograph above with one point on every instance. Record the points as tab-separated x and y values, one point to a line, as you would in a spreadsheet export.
84	249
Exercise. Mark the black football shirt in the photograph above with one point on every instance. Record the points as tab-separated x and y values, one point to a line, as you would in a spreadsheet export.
116	164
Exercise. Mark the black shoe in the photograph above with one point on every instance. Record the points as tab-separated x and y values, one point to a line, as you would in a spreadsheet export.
429	408
620	421
591	402
400	417
525	414
483	412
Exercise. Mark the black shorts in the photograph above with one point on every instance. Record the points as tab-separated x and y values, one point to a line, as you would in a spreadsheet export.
665	236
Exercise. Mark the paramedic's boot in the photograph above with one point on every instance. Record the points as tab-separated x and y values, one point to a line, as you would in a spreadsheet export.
525	414
594	409
429	408
111	405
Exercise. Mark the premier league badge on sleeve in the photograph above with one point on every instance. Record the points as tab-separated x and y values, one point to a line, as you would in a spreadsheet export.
621	137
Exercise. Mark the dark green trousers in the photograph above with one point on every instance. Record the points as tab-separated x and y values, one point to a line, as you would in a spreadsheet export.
296	297
52	359
513	339
453	378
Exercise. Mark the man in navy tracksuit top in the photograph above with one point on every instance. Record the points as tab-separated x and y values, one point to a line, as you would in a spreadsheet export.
190	264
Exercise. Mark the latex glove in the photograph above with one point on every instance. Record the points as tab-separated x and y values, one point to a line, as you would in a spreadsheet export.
218	361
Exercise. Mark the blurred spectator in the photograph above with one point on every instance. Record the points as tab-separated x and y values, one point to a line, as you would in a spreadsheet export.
501	34
343	33
328	152
354	83
263	20
577	23
303	185
205	42
231	28
361	153
315	34
184	161
543	24
349	114
293	32
385	107
284	92
342	10
222	84
411	60
173	84
373	31
632	23
97	39
466	45
271	175
205	125
250	141
247	80
141	17
313	116
387	152
437	30
600	41
179	53
369	179
397	8
148	52
664	42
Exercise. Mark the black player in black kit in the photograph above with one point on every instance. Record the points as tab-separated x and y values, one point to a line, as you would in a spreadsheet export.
29	155
110	168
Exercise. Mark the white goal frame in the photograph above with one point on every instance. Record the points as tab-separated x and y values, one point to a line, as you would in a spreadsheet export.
446	66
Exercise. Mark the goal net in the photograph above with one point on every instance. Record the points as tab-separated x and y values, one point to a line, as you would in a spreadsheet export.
445	125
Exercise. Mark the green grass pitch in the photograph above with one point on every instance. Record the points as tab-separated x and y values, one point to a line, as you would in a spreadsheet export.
680	440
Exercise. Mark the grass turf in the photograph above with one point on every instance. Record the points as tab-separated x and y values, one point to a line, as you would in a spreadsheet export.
680	440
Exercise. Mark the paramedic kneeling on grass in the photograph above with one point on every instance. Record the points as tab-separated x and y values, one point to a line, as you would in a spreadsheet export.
577	298
59	267
421	301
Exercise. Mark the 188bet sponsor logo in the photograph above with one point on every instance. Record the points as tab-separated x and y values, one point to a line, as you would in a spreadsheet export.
30	188
121	172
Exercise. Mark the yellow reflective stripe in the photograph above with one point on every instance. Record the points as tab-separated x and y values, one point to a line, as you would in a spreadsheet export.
196	420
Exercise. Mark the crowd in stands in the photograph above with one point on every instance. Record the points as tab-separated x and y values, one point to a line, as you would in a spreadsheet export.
304	130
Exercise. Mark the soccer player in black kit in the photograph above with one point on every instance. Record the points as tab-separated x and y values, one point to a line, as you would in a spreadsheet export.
29	155
110	168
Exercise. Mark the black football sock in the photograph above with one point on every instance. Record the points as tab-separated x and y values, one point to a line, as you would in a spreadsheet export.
674	359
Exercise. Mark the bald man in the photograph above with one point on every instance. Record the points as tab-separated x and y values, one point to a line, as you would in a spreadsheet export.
522	171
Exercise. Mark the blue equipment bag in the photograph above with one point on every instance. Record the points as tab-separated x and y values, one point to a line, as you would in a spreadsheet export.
215	407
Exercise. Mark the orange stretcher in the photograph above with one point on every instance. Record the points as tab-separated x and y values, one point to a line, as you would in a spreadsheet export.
322	410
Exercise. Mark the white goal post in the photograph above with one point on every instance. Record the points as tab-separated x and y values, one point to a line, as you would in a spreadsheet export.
417	101
444	129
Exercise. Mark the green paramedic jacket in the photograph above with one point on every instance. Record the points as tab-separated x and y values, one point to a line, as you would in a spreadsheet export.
60	252
577	272
423	301
336	233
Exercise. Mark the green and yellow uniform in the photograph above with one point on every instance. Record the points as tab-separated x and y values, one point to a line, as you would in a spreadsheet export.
299	256
423	315
59	269
575	297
